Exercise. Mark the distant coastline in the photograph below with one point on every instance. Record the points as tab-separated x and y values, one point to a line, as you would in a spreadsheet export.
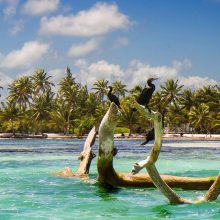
174	136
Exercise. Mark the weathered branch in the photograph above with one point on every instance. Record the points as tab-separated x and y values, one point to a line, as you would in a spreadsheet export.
87	155
108	175
214	190
161	185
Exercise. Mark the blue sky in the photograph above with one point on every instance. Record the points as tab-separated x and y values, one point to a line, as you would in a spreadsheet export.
118	40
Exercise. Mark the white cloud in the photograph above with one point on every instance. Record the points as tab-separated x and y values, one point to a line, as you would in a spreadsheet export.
5	80
121	41
138	72
104	69
196	82
184	64
39	7
89	73
10	9
80	63
24	57
102	18
83	48
18	26
57	74
27	72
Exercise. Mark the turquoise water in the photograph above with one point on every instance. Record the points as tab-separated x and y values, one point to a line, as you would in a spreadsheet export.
28	190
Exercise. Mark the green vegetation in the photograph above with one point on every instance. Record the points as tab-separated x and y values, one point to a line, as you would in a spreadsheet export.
33	107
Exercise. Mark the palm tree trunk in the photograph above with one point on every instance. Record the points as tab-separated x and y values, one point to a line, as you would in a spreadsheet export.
68	124
12	125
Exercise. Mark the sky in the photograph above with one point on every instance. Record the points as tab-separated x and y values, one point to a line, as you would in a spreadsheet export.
123	40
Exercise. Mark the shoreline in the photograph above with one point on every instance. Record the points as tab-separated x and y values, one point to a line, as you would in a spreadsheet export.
214	137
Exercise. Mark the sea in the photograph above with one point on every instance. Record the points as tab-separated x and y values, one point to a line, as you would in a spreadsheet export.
30	190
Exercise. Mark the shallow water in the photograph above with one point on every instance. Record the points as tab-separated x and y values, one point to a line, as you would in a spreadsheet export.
28	190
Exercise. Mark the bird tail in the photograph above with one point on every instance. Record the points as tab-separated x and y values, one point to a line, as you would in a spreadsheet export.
145	142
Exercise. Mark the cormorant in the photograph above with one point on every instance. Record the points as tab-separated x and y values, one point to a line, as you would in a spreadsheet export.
112	97
149	136
147	93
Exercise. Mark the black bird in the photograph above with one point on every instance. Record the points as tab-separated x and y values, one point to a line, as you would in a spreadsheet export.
112	97
147	93
149	136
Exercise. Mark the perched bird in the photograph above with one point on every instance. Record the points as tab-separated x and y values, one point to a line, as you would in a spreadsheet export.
149	136
112	97
147	93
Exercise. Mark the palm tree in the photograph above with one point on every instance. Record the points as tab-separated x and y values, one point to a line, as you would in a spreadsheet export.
41	81
200	118
100	112
9	114
209	95
68	91
58	116
176	117
157	103
136	91
171	91
81	98
119	88
216	121
41	107
20	92
91	103
100	86
187	99
205	94
128	117
84	124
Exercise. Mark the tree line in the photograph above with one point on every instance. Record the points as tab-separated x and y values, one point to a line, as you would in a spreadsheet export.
32	106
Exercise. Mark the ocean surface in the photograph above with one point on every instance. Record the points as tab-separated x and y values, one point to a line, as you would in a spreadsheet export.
29	190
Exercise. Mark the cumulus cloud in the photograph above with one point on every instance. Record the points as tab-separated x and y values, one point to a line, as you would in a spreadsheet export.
57	74
184	64
138	72
80	63
102	18
83	48
39	7
89	73
196	82
24	57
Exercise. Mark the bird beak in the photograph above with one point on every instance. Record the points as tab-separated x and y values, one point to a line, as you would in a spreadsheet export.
155	78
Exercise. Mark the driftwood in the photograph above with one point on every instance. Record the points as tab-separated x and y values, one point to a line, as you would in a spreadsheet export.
108	175
87	155
85	158
161	185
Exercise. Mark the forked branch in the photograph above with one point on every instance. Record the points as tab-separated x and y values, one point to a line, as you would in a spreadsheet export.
149	164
